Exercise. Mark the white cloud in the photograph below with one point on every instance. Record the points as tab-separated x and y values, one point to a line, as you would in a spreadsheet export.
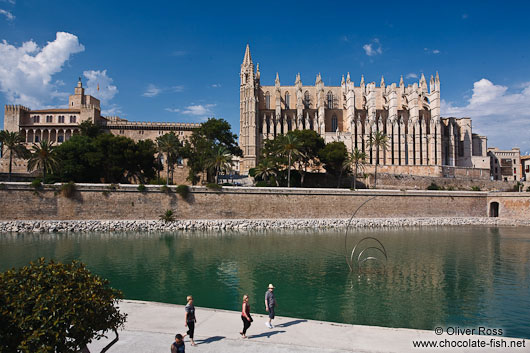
198	109
7	14
411	75
12	2
99	79
431	51
107	91
216	85
502	116
151	91
172	110
26	71
373	48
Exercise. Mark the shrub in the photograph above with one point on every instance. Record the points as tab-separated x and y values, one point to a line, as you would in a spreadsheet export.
68	189
36	184
55	307
252	172
262	184
165	188
451	188
112	187
517	186
3	186
158	181
214	186
142	188
433	186
183	191
168	216
475	188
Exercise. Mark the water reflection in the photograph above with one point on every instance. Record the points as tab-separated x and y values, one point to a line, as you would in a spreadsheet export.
465	276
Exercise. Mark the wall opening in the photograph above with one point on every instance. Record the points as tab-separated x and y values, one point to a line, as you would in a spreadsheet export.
494	209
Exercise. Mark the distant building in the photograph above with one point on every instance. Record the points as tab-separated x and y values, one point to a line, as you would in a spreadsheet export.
60	124
421	142
525	166
505	164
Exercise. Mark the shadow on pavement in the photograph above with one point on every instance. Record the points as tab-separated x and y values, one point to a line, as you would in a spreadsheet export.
266	334
291	323
210	339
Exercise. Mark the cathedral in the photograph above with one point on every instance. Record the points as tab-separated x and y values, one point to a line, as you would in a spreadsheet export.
421	142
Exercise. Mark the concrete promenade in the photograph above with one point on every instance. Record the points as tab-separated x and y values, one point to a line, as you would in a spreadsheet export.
151	327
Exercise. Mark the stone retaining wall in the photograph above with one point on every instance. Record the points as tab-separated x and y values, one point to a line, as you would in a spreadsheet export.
18	201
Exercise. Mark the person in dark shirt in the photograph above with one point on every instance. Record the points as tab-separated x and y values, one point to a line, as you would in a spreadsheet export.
270	304
178	345
191	319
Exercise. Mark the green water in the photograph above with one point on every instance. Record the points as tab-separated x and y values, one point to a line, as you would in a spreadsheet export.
465	276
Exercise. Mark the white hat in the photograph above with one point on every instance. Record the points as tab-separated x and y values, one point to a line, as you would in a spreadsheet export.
271	286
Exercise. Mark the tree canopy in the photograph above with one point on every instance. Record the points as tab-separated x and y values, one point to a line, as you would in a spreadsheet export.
55	307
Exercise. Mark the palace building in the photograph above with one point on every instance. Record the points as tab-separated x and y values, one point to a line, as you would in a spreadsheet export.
58	125
421	142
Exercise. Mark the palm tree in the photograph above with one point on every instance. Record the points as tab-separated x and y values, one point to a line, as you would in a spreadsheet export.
357	159
13	142
290	145
266	169
221	161
169	145
379	140
43	157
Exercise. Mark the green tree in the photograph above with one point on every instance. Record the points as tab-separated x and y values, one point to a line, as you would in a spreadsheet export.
290	147
356	159
221	161
333	156
202	145
14	143
88	128
170	146
378	140
310	145
54	307
266	170
43	158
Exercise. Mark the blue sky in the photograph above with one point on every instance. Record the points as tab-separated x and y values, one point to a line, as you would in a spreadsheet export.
180	61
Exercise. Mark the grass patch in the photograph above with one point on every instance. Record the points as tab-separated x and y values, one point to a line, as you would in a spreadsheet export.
142	188
214	186
36	184
68	189
183	191
475	188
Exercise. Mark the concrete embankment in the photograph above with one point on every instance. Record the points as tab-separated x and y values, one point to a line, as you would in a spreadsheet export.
247	224
151	327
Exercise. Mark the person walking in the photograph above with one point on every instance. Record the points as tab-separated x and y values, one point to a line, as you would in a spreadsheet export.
245	316
270	304
191	319
178	345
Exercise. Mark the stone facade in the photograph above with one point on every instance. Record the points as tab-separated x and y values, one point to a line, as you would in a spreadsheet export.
408	115
58	125
525	165
505	164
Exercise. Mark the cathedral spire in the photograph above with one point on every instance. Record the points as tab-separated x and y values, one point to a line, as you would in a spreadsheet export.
247	59
362	80
348	78
401	83
277	81
382	81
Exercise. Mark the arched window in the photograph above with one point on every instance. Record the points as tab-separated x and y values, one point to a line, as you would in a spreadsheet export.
330	100
287	100
334	123
307	100
73	118
267	100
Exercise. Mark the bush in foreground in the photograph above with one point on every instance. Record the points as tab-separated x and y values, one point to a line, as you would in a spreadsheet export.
68	189
167	216
55	307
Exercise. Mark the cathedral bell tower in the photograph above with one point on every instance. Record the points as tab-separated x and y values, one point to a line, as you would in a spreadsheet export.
248	113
